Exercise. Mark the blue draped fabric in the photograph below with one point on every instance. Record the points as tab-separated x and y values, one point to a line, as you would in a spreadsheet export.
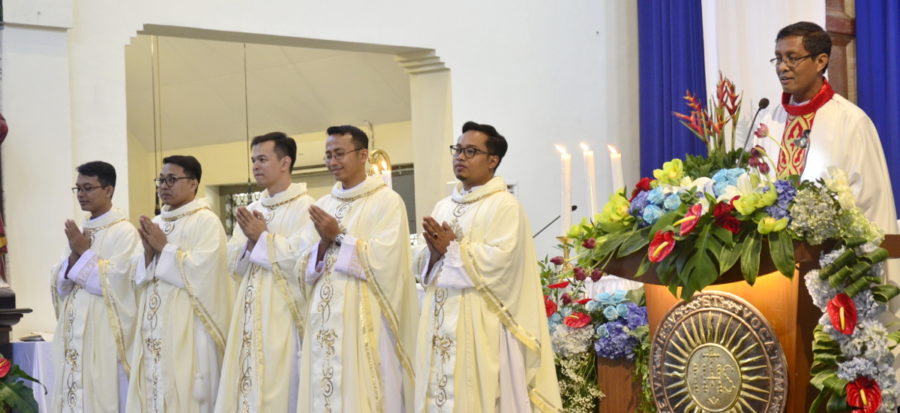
878	75
670	39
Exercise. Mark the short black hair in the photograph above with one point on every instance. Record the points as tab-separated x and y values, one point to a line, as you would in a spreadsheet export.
496	143
104	172
815	39
359	138
284	145
189	163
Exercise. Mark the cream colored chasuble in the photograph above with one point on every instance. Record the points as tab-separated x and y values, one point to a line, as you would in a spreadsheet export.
95	306
259	370
361	318
483	342
184	305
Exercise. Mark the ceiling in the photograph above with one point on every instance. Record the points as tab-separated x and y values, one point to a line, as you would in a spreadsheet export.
203	100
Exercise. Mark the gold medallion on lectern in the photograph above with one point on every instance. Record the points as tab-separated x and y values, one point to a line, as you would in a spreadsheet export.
717	353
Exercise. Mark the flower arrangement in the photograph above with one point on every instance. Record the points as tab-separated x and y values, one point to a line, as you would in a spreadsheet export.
697	219
582	328
14	393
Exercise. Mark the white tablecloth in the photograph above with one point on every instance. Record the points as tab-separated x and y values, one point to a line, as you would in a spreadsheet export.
36	359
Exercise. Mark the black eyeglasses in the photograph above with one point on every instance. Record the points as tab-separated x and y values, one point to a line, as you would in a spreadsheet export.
790	61
169	180
85	189
338	155
468	152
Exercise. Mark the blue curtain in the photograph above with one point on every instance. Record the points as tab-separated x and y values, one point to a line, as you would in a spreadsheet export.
878	75
670	39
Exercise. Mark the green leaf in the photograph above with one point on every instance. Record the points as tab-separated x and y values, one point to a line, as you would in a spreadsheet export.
818	381
837	404
637	240
663	222
781	248
609	247
750	258
642	269
700	270
18	396
723	235
836	385
817	403
884	293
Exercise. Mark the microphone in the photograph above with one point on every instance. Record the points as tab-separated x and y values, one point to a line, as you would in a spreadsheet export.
574	207
763	103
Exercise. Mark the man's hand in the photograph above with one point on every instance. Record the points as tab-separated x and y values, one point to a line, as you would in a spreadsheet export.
437	237
326	225
253	224
153	238
78	241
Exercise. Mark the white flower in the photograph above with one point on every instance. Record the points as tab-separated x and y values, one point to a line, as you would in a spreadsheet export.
569	341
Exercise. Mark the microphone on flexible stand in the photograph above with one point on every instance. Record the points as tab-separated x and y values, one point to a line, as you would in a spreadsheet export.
763	103
574	207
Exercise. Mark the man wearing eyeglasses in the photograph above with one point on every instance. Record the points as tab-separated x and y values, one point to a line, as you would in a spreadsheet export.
483	342
820	129
184	301
361	319
260	367
94	300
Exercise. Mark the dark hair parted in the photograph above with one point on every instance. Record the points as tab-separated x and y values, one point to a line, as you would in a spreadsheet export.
105	173
359	138
189	163
284	145
815	39
495	143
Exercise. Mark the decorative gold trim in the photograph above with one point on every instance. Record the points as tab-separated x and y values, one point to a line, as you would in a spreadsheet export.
493	302
386	309
478	198
276	205
360	196
182	215
199	310
112	314
370	342
281	280
541	402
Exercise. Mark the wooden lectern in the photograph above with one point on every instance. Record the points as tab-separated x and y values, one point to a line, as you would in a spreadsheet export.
784	301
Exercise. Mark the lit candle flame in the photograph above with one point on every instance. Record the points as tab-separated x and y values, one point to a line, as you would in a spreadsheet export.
613	151
562	149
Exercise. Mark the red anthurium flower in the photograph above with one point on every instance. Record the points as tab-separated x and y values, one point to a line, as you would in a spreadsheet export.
642	185
691	218
549	306
577	320
864	395
589	243
563	284
842	311
661	246
583	301
5	365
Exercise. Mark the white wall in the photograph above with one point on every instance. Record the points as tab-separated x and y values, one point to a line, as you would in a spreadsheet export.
542	72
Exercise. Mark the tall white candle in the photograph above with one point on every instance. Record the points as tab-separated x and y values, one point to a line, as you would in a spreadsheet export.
566	210
386	175
590	170
615	164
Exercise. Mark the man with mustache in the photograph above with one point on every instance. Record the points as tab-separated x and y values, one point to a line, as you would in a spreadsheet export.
94	300
483	343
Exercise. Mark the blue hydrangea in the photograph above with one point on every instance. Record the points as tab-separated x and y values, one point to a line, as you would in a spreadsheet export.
672	202
637	316
555	320
725	178
617	342
639	203
651	214
786	193
656	196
